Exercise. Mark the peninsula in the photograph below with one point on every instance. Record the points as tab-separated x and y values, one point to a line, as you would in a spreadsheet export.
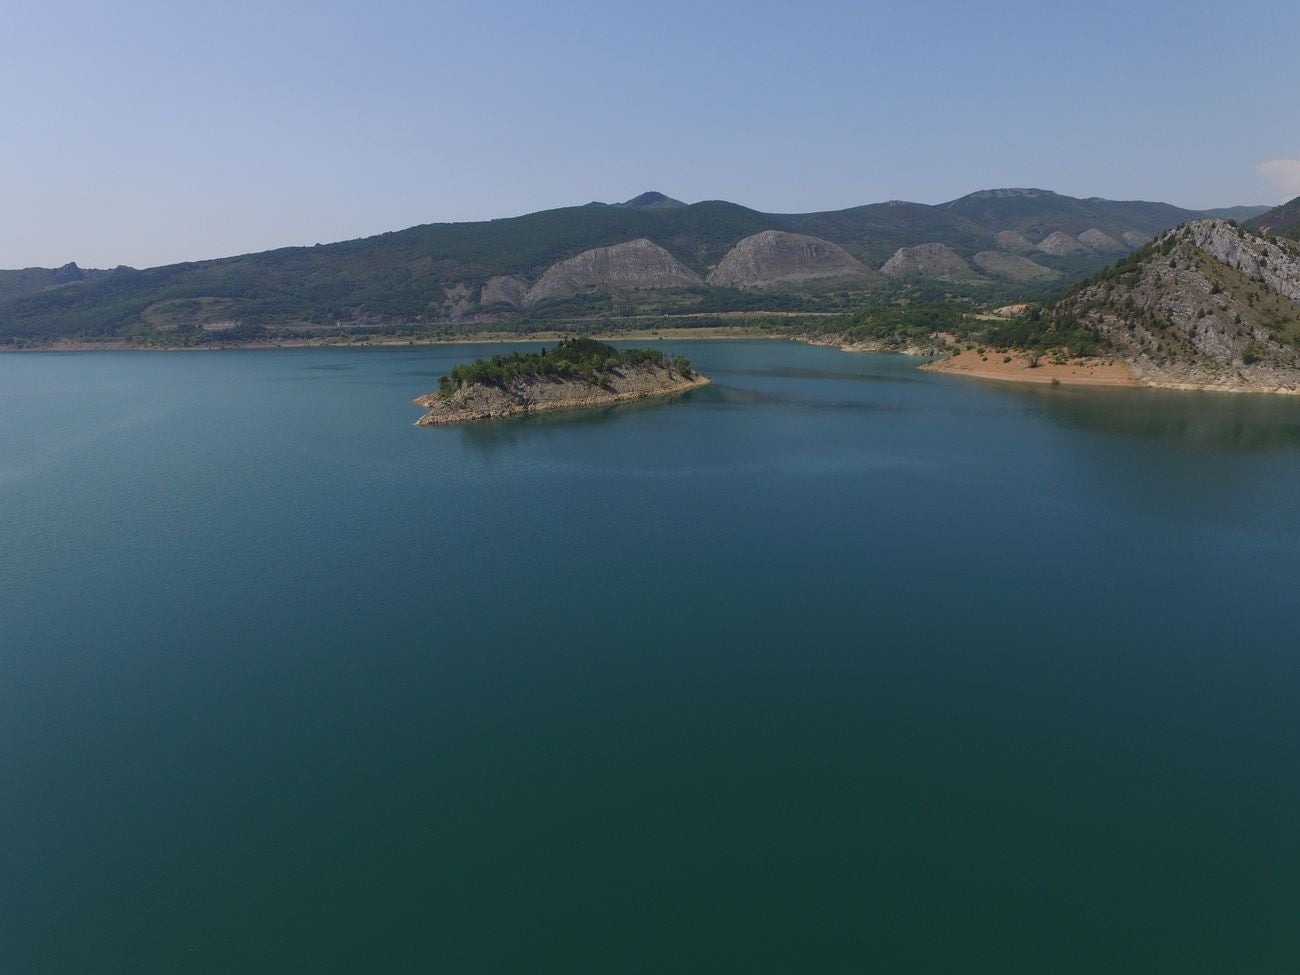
1208	305
579	372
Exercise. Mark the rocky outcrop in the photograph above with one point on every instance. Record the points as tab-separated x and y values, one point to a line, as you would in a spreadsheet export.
635	264
1208	305
774	258
1059	244
503	289
456	304
1098	240
927	260
1134	239
542	394
1012	267
68	274
1014	241
1273	263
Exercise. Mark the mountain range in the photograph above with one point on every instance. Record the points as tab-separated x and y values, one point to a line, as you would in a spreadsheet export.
649	255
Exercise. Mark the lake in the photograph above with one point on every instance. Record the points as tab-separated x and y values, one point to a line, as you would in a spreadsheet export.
833	665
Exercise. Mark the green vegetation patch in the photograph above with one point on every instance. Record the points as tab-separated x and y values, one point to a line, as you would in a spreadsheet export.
574	358
896	323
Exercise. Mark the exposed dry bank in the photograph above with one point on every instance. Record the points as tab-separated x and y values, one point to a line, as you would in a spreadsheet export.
1022	367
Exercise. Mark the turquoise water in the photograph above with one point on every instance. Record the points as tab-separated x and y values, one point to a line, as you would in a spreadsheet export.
830	666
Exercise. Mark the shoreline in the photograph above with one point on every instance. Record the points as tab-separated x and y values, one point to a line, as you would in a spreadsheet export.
1014	367
1095	371
587	401
1088	371
837	342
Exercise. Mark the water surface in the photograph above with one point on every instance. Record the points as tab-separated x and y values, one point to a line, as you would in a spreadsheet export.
832	665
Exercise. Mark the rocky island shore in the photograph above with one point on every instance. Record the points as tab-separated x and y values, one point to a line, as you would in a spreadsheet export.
576	374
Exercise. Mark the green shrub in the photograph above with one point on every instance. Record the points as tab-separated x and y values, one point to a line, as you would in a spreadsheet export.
574	358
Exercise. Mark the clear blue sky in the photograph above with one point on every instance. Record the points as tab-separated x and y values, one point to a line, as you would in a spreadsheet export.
148	132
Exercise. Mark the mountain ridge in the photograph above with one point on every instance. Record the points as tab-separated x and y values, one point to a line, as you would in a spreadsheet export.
472	271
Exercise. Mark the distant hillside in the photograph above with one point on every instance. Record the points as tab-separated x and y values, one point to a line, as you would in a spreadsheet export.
1283	220
34	280
1038	213
649	256
1239	214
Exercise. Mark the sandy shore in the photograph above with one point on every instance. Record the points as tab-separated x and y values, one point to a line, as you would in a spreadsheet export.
839	342
1014	367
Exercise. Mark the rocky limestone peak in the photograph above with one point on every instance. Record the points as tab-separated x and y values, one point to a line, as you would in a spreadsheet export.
639	263
68	273
927	260
1274	264
1206	304
1058	244
774	257
503	289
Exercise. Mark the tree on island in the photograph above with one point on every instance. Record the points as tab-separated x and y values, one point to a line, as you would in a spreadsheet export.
575	358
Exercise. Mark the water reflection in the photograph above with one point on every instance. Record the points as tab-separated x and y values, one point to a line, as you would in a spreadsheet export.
789	372
1221	421
489	435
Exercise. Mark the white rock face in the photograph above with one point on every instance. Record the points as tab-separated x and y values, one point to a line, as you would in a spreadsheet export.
637	263
773	257
1097	240
1014	241
1255	257
1059	243
503	290
927	260
456	301
1135	239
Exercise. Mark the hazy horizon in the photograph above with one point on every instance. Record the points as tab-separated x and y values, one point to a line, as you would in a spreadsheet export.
145	134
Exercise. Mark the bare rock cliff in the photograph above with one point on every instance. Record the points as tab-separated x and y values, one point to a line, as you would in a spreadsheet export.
773	258
503	289
927	260
1207	305
1059	243
1273	263
635	264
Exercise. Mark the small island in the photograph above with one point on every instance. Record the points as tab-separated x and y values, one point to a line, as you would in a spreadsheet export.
579	372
